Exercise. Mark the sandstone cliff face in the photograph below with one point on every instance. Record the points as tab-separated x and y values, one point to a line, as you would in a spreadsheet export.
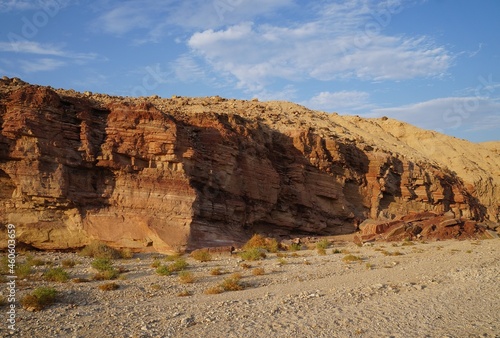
180	173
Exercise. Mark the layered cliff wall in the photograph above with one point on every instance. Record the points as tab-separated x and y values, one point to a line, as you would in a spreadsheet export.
180	173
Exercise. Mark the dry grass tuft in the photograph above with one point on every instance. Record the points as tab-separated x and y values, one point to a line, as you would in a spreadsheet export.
258	271
109	286
351	258
186	277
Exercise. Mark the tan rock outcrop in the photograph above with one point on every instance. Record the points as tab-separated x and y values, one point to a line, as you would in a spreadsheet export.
183	173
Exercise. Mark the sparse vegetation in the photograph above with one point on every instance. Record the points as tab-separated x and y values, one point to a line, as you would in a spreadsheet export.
214	290
351	258
201	255
101	264
336	251
186	277
253	254
34	261
407	243
126	253
109	286
216	271
23	270
56	275
163	270
80	280
100	250
323	244
258	271
156	263
295	247
185	293
321	251
39	299
68	263
260	242
282	261
232	283
178	265
172	258
105	268
245	266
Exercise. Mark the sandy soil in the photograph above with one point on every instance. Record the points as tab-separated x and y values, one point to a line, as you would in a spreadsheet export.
438	289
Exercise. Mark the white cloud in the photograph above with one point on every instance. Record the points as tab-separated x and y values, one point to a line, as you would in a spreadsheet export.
341	101
338	44
187	70
158	17
51	6
471	113
41	65
31	47
125	18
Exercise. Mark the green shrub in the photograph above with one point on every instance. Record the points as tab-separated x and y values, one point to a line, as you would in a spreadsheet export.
23	270
253	254
179	265
56	275
323	244
186	277
295	247
163	270
39	298
102	264
105	268
201	255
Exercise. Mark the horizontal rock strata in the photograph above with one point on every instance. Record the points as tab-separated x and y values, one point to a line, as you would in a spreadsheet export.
157	174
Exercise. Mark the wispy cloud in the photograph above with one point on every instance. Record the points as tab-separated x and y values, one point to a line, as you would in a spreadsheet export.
25	5
32	47
471	113
41	65
342	101
155	19
335	45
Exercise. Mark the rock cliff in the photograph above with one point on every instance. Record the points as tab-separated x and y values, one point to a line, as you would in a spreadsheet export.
181	173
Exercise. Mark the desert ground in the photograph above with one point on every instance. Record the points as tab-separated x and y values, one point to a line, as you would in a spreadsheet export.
404	289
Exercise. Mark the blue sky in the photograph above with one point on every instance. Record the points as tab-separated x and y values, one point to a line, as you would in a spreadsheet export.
435	63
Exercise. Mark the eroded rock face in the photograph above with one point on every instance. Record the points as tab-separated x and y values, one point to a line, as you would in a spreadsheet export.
174	174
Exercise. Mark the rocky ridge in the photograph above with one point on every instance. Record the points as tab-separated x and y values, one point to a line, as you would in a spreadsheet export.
157	174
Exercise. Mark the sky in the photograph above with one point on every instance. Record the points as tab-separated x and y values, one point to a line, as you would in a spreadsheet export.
431	63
